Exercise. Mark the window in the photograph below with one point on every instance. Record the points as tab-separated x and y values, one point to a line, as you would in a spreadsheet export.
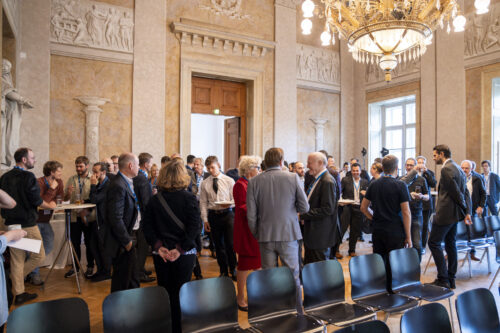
392	126
495	121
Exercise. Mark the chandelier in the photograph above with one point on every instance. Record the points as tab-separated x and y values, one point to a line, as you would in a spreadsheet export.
386	32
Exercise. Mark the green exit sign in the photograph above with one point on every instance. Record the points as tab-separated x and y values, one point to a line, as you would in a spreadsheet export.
216	111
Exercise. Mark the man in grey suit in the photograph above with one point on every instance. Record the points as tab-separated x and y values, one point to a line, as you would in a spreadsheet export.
321	231
273	200
453	205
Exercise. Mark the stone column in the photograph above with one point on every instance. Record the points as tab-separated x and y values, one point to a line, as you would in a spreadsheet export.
347	104
319	128
285	85
92	113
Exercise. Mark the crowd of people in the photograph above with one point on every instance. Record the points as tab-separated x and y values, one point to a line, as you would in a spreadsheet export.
254	216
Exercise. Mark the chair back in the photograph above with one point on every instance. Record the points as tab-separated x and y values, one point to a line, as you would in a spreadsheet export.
142	310
463	233
478	228
367	275
429	318
374	326
208	303
492	224
269	291
405	267
323	283
61	315
477	311
496	236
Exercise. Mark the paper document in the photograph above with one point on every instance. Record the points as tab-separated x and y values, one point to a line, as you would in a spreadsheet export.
346	201
27	244
224	203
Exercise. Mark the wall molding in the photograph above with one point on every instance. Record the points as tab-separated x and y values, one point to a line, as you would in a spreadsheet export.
91	54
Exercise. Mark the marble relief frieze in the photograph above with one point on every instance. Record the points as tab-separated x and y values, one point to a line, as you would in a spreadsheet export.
228	8
482	33
317	65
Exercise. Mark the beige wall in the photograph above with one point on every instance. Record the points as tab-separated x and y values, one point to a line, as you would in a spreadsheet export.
71	77
9	53
317	104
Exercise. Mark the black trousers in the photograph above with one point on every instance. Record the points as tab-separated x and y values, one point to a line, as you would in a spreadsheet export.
102	259
197	268
448	234
77	229
142	252
383	243
171	276
426	217
221	230
352	218
124	269
311	255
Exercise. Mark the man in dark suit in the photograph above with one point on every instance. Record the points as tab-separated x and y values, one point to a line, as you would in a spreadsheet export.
427	206
492	182
321	230
122	208
353	188
363	174
144	192
453	205
99	183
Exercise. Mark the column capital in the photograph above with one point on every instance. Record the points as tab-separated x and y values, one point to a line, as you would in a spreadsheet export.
319	126
92	103
319	122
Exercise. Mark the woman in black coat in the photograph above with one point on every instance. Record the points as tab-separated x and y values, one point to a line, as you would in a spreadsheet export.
173	242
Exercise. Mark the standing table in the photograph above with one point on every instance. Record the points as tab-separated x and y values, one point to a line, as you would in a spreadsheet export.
67	242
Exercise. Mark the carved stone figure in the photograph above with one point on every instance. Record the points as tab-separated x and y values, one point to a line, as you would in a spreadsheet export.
319	65
126	26
229	8
482	33
12	108
94	24
492	35
112	27
58	25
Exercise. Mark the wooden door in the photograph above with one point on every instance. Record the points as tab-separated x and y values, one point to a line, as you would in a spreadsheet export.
231	142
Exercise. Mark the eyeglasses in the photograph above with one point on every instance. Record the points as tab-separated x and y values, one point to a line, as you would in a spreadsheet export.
256	167
410	165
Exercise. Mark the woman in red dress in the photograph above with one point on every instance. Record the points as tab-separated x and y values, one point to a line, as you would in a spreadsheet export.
245	244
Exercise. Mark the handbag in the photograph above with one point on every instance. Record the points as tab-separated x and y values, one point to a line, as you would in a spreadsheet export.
170	212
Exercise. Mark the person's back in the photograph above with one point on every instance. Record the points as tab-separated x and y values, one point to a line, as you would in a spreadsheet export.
273	200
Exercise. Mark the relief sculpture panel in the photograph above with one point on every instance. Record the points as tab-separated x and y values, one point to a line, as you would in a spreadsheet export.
482	32
92	24
317	65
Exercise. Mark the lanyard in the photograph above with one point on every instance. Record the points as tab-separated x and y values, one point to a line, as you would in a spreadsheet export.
19	168
81	185
131	190
312	185
144	173
46	183
356	188
154	183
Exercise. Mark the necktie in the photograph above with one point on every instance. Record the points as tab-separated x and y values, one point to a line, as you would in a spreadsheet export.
215	185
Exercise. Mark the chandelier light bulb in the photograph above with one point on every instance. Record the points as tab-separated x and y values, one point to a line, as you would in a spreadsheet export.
325	38
306	26
459	23
428	40
481	6
308	8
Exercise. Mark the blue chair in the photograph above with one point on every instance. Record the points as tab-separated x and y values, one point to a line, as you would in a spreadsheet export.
496	236
324	295
477	312
375	326
429	318
61	315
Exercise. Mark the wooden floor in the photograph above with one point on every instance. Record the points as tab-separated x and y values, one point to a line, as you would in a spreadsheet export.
94	293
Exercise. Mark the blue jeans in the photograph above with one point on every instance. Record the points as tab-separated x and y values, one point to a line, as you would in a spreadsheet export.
416	234
47	238
448	234
288	253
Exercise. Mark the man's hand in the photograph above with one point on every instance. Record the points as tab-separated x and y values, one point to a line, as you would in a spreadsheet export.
224	206
467	219
70	190
173	255
416	196
207	227
163	252
479	211
408	243
93	179
129	246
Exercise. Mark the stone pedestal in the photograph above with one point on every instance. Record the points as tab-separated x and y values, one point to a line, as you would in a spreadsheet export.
319	128
92	112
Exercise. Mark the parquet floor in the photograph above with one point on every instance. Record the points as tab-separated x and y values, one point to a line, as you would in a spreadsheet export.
94	293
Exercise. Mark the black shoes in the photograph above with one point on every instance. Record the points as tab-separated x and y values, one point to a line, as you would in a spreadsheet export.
243	308
98	277
24	297
89	273
452	284
146	279
69	273
198	277
443	284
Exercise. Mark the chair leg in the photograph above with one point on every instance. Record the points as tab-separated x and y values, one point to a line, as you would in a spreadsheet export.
386	316
487	250
482	257
451	315
470	267
494	278
428	262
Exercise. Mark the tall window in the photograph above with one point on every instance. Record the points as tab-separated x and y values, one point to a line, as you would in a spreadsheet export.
495	121
392	126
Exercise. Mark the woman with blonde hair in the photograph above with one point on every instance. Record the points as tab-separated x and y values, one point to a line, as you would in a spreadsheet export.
244	243
376	171
153	179
172	223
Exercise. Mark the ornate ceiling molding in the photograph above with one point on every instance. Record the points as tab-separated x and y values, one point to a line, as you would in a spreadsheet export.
205	37
229	8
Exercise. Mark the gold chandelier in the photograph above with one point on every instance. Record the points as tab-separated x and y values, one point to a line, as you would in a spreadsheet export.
385	32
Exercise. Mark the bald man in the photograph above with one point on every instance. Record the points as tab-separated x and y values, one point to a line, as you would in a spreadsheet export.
123	215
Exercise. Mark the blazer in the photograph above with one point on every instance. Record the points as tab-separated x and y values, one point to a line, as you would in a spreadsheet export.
478	195
97	196
143	189
364	175
320	222
121	214
430	178
453	196
348	187
494	187
273	200
309	179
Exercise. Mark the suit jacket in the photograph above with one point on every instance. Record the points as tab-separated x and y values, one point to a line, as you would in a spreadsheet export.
193	188
478	194
364	174
97	196
494	187
348	187
121	214
430	178
143	189
309	179
233	173
321	221
273	199
453	201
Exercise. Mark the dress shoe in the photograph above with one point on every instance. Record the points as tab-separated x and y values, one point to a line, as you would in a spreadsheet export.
24	297
98	277
69	273
36	280
146	279
473	257
243	308
147	272
440	283
199	277
89	272
338	256
452	284
352	254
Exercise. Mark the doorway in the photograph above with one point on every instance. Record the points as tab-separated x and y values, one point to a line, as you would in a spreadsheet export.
218	120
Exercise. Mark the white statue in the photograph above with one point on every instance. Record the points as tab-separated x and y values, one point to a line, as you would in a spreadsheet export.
12	108
126	26
94	24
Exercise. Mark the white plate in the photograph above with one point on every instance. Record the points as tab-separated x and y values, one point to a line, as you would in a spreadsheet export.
224	203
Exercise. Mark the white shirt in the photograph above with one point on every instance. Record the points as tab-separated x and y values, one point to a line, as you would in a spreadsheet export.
130	181
487	183
208	197
469	184
356	190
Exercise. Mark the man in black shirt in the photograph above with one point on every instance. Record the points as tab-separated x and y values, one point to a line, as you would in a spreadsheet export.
391	217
